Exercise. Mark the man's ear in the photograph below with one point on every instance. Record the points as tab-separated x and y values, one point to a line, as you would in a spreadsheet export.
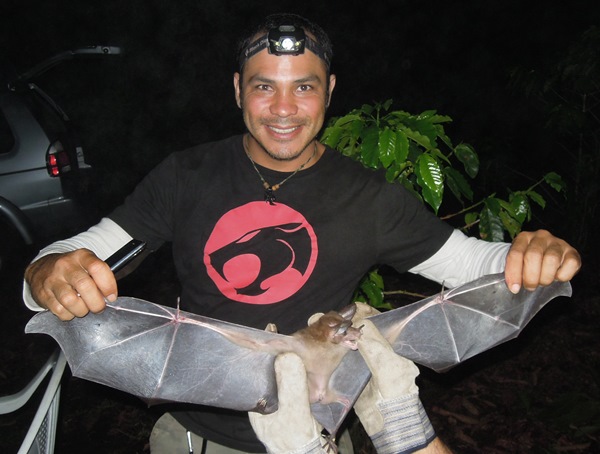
332	80
236	86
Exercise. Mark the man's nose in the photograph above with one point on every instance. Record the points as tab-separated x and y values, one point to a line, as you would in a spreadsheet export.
284	104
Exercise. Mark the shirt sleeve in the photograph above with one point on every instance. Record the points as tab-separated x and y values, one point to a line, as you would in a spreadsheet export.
103	239
463	259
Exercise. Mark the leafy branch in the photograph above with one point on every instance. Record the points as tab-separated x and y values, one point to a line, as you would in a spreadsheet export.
415	151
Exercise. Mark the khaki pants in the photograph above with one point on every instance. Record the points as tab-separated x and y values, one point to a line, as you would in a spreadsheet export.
170	437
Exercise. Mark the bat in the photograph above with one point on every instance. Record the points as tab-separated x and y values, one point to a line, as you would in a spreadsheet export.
161	354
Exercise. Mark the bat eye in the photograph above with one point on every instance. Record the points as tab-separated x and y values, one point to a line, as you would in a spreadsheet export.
342	330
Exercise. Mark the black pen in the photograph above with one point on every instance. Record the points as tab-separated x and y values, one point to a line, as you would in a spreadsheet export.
124	255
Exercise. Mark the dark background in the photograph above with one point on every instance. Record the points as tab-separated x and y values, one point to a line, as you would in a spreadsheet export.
173	88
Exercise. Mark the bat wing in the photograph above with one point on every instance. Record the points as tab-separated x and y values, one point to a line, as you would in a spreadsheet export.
161	354
441	331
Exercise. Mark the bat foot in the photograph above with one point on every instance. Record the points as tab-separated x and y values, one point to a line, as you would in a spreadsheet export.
329	445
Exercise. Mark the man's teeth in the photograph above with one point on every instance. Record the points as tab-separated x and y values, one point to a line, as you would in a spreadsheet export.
283	130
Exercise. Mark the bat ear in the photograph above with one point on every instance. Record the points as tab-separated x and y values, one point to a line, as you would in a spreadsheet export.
348	312
315	318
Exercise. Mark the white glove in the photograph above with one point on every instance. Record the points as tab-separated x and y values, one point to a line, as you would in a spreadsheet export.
292	428
389	407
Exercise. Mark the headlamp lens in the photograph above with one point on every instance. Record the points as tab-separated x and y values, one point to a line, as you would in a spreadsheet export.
287	44
286	39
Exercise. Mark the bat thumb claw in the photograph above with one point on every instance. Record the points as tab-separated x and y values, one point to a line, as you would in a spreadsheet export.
271	328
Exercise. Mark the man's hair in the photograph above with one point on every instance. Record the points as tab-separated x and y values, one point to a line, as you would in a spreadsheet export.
276	20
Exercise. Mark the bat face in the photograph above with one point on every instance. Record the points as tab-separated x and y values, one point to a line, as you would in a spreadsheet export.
333	328
342	332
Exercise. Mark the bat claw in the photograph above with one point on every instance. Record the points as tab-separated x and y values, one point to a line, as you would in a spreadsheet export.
329	445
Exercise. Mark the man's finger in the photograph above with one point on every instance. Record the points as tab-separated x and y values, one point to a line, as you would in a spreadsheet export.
103	277
539	258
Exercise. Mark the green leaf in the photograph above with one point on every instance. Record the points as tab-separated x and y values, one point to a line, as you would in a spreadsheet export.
431	180
494	205
387	146
471	218
511	225
401	147
520	206
433	117
436	153
331	136
467	155
433	198
346	120
442	135
373	293
555	180
357	127
458	184
395	171
367	109
410	187
426	114
441	119
427	128
537	198
400	116
417	137
504	205
376	278
429	172
490	224
369	151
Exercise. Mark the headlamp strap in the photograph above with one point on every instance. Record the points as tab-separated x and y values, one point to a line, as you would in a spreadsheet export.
284	40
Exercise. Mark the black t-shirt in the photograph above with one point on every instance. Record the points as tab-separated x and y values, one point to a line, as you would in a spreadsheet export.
245	261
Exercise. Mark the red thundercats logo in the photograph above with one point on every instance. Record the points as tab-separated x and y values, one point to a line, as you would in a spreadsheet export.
260	253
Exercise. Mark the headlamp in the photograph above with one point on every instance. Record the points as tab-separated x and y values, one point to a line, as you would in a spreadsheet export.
284	40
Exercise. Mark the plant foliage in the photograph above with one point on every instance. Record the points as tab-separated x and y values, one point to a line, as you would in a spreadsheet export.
415	151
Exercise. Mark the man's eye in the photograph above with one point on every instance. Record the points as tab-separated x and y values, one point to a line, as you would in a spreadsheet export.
263	87
304	88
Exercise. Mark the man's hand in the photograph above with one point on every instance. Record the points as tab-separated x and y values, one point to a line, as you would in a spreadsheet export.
292	428
71	284
539	258
389	407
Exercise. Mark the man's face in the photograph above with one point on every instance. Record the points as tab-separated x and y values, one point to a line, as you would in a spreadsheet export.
283	99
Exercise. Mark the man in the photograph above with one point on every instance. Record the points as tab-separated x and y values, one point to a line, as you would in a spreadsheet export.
272	226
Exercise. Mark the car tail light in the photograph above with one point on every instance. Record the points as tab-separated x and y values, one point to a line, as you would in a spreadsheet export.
58	161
